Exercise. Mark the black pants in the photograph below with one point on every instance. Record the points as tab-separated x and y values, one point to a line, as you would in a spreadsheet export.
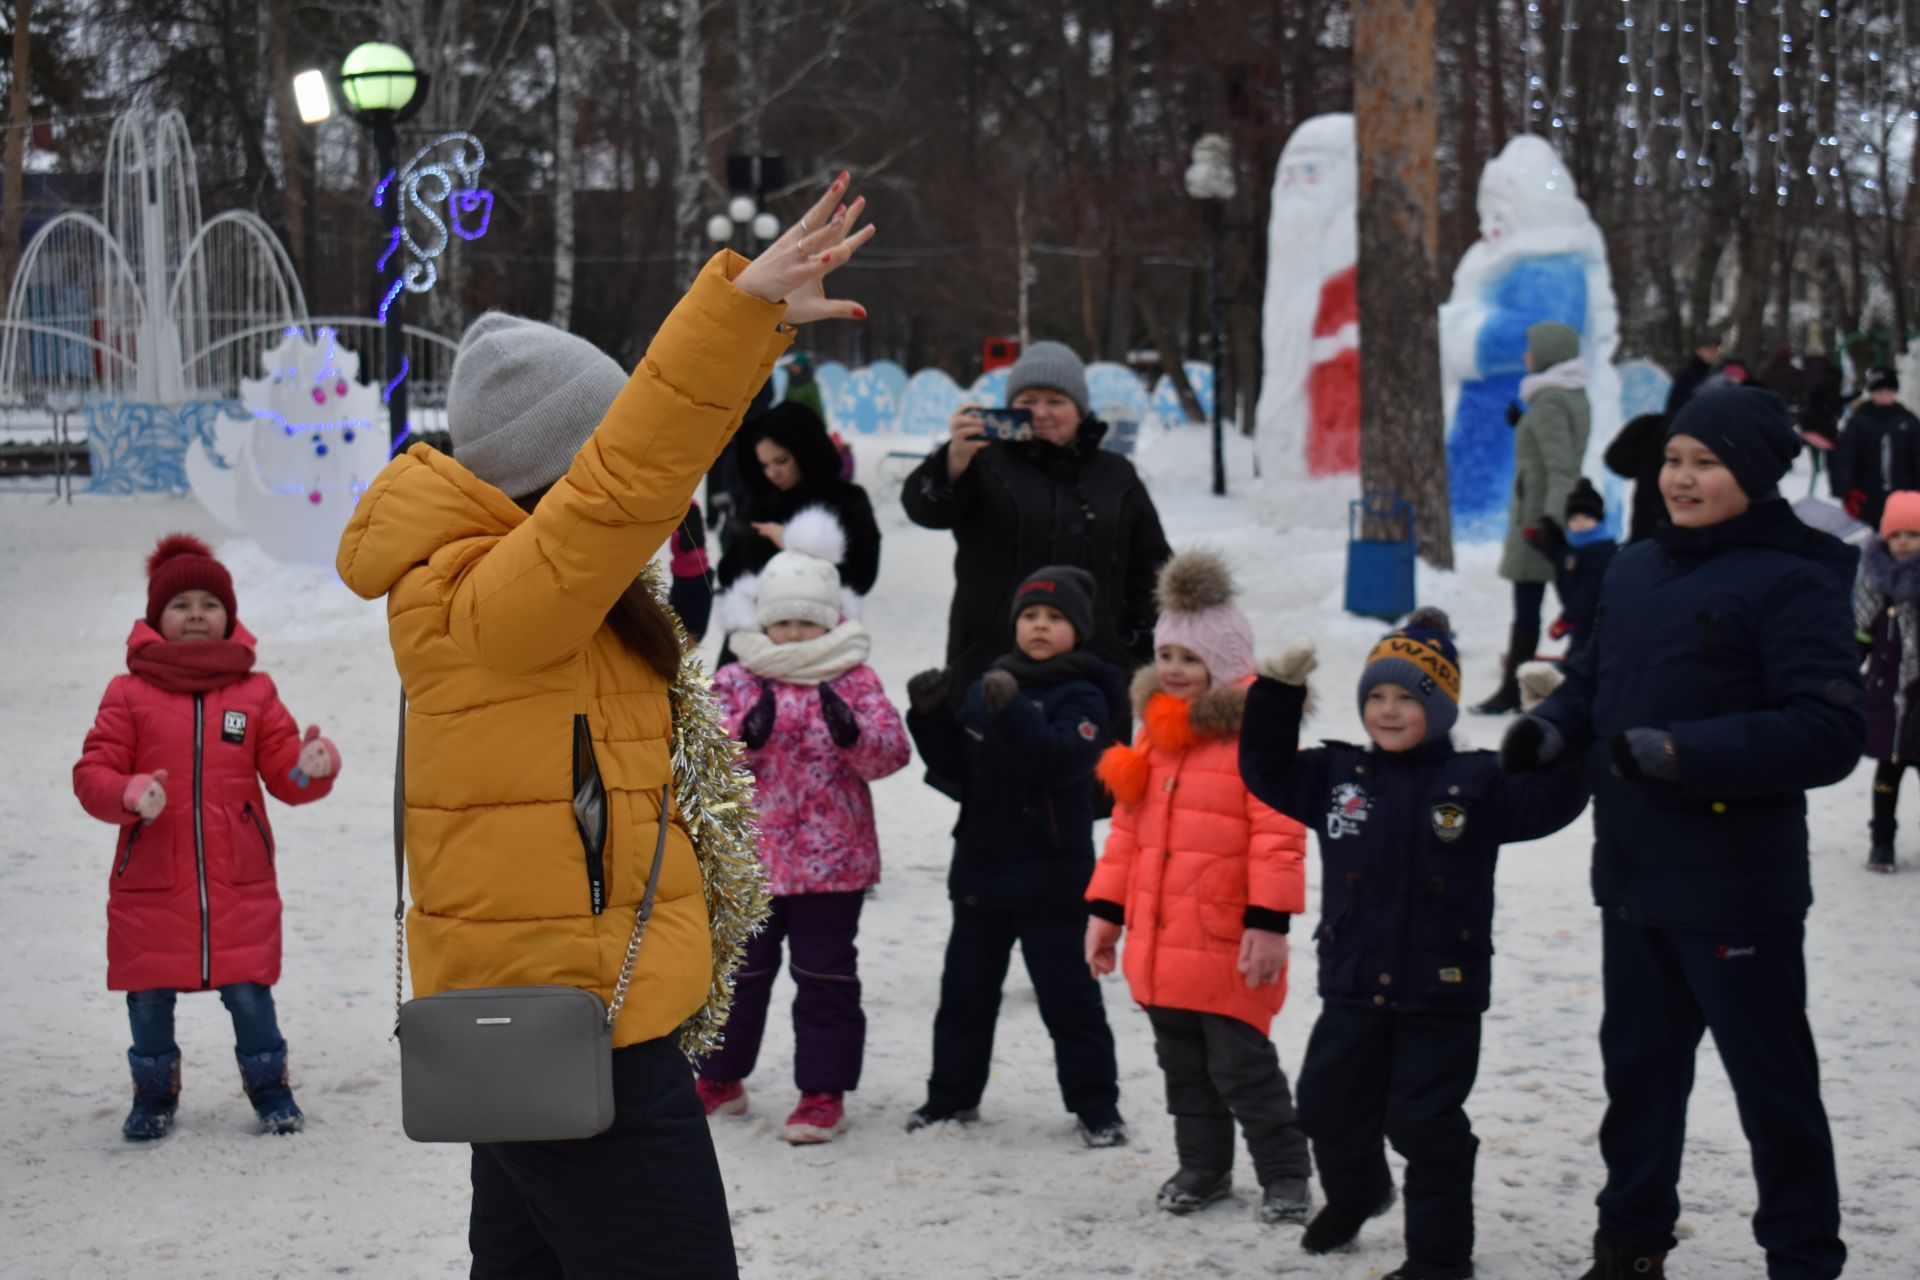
1374	1073
1053	943
1219	1070
1529	599
1886	798
1663	989
643	1199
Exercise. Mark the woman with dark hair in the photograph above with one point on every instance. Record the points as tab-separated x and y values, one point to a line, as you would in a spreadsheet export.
791	463
526	642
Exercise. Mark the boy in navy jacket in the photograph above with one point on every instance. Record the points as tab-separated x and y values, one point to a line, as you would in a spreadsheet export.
1020	757
1722	683
1581	552
1409	832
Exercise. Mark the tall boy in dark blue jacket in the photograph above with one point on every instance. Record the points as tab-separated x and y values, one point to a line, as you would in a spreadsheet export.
1409	832
1723	682
1020	758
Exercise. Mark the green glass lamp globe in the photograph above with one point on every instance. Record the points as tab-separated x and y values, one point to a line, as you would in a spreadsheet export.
378	77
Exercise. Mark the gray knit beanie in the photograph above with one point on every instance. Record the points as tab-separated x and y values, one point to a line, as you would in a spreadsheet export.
1050	364
524	397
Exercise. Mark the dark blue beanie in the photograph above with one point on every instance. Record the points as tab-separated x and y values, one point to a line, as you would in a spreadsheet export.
1748	428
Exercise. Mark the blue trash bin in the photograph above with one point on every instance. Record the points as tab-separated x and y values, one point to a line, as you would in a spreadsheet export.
1380	571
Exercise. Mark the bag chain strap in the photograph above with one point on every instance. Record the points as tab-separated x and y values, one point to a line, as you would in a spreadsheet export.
640	918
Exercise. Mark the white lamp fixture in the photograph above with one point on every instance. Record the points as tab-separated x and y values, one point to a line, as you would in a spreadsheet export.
741	209
765	226
311	98
719	228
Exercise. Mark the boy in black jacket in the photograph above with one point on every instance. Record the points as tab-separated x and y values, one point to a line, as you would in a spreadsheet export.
1723	682
1019	756
1581	552
1409	831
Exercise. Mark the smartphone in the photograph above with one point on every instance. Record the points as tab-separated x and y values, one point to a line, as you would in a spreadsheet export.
1007	424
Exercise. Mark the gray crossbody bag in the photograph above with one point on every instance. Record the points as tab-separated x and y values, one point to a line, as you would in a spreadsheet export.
505	1064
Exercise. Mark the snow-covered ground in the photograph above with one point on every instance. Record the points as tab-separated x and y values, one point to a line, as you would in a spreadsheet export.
1016	1195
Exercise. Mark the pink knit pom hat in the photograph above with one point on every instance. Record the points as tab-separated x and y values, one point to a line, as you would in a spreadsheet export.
1901	514
1197	611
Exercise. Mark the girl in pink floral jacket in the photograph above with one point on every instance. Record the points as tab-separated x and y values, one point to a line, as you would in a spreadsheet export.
818	728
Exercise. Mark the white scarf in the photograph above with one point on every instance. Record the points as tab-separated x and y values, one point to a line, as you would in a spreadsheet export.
1568	375
816	661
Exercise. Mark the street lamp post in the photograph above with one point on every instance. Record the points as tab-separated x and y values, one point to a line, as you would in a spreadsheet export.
748	177
1209	180
382	91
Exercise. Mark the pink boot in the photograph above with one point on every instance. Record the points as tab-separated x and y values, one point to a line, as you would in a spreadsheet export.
721	1097
818	1118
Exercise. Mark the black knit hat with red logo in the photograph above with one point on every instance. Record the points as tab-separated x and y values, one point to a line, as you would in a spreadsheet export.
184	563
1066	587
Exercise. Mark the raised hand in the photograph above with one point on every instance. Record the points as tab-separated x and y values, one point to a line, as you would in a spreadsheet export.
146	794
1293	664
996	690
794	268
966	437
927	692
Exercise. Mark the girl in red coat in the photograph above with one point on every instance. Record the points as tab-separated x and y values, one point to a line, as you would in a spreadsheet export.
175	760
1205	878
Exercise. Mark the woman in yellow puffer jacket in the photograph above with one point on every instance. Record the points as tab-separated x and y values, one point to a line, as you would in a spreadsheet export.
518	626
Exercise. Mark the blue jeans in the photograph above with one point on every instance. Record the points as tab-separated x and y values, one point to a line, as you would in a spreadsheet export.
255	1029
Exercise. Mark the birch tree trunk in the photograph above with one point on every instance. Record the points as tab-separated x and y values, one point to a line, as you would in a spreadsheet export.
566	111
1402	435
293	170
690	178
13	185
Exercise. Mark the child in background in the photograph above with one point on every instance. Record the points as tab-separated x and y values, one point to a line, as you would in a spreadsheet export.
175	760
1409	833
818	729
1724	682
1205	879
1020	755
1886	611
691	593
1580	553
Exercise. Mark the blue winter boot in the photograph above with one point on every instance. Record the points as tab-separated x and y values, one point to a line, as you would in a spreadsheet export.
264	1075
156	1093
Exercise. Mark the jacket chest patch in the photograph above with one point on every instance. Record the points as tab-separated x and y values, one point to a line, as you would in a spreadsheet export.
1449	822
1350	808
1088	731
233	726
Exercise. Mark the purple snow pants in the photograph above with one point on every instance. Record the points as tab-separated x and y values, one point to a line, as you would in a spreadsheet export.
829	1029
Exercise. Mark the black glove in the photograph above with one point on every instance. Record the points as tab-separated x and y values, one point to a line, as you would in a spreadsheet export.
1646	755
758	726
996	690
1515	411
1531	745
927	692
841	726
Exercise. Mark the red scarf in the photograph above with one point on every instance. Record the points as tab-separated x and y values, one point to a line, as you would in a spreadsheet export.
192	666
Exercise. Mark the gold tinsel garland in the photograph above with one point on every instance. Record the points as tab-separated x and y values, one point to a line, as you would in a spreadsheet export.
714	793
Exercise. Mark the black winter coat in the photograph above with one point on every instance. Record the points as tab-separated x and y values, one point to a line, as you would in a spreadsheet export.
1886	614
1024	780
1578	572
1637	454
1020	506
1738	640
1877	453
796	429
1408	842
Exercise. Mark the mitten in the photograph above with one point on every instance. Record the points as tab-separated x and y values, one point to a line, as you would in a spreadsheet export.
996	690
146	794
1646	755
319	758
1855	500
1515	411
1293	664
927	692
758	725
1560	630
1531	745
841	726
1538	680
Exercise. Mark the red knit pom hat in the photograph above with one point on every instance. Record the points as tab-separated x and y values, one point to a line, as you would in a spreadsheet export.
181	562
1901	514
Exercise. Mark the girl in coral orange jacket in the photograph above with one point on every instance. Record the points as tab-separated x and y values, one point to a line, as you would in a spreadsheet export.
1204	878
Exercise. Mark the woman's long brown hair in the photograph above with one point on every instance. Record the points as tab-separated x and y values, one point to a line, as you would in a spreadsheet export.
638	618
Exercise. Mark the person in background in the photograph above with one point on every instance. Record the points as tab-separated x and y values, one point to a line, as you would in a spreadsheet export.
1581	552
802	388
1886	612
795	465
1878	450
1723	685
1698	368
691	591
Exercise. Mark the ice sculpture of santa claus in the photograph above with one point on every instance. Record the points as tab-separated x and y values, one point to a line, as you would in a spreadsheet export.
1539	257
1310	324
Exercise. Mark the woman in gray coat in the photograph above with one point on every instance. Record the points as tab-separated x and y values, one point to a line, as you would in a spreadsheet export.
1549	442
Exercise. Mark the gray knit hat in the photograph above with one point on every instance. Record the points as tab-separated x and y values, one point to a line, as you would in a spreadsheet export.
524	397
1050	364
